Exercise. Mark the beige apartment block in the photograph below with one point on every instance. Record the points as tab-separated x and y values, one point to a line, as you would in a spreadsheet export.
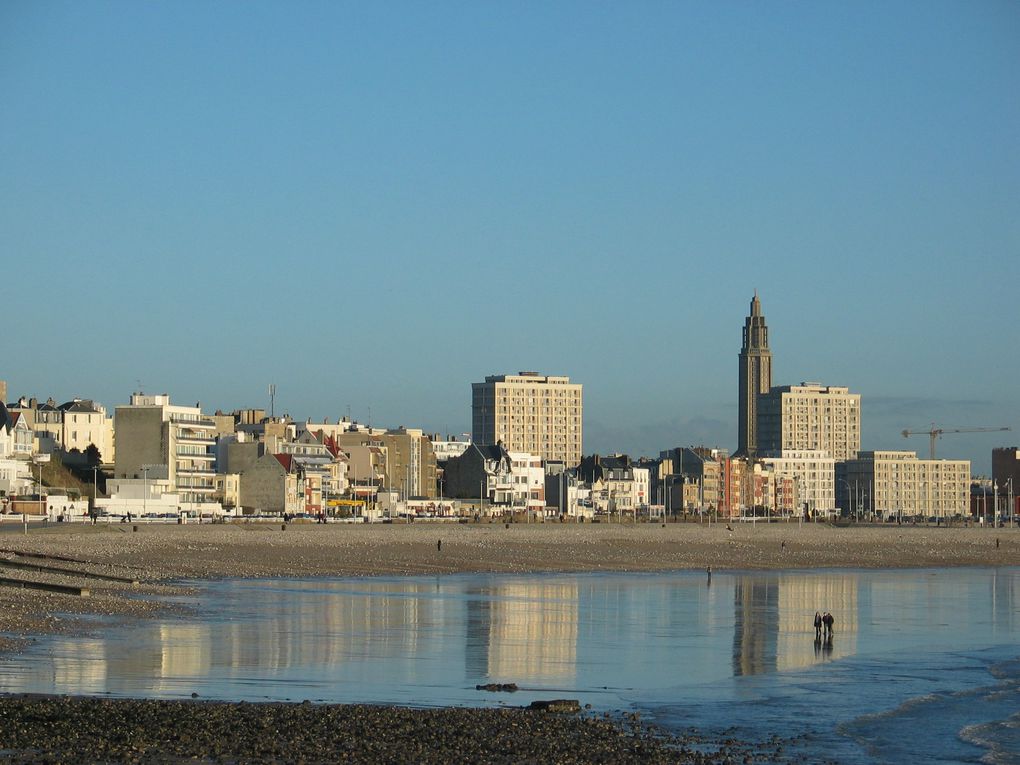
810	416
813	473
529	412
158	440
898	484
406	457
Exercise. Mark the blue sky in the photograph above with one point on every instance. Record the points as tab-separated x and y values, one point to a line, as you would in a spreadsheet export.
374	204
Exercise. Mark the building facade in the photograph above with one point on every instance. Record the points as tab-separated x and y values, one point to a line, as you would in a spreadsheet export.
898	484
528	412
158	440
813	473
755	369
410	463
1006	480
810	417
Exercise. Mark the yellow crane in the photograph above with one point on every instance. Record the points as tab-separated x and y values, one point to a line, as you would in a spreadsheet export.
935	433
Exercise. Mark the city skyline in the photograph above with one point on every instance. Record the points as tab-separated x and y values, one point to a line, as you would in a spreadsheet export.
372	207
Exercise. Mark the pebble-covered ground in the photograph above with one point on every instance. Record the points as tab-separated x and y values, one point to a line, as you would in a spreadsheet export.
84	730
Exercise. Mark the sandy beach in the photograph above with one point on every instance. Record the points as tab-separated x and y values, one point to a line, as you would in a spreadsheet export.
163	557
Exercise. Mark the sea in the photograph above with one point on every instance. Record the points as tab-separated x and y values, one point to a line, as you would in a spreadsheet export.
923	665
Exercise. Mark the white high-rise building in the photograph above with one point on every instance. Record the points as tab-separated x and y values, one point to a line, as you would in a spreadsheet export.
158	441
531	413
810	416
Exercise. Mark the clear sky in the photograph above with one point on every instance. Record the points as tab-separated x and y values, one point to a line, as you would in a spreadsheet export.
372	205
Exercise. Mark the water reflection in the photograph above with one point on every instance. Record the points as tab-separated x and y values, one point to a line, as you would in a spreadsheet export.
774	614
523	631
421	641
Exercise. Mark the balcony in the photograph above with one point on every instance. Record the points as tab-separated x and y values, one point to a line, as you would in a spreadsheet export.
195	438
192	470
186	455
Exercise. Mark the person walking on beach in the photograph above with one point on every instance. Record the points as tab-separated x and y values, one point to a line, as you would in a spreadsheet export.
818	626
827	621
439	545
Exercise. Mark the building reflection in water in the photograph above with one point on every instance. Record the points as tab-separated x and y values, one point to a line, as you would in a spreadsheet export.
522	631
774	614
408	632
421	641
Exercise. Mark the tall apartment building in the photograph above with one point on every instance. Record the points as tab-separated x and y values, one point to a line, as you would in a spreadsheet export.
156	440
897	483
755	363
810	417
814	477
531	413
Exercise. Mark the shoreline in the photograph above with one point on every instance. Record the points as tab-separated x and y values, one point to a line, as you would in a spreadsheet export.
163	557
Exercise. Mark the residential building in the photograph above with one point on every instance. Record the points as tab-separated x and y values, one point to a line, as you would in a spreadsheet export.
813	473
158	440
700	471
528	478
755	373
898	484
273	485
444	448
15	475
83	424
617	485
810	417
227	490
529	412
563	491
410	462
483	472
366	470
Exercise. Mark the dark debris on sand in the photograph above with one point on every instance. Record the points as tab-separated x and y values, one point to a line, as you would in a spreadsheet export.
50	729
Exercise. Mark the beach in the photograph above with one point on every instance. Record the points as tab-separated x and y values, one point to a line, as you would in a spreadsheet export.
161	554
163	557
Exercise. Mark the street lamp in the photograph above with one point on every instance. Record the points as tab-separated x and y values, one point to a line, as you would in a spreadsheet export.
847	484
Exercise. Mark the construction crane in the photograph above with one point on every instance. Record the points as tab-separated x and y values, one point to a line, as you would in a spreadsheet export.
935	433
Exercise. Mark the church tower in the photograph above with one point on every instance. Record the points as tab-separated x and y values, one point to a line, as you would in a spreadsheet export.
755	377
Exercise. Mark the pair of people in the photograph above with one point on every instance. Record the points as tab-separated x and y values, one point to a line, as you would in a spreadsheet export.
823	623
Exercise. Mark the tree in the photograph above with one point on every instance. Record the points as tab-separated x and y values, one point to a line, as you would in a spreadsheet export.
92	456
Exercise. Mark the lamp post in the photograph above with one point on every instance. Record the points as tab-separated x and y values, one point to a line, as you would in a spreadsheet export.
145	487
847	484
1012	507
995	503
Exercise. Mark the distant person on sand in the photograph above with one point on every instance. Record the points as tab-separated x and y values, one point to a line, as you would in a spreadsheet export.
818	626
439	545
827	621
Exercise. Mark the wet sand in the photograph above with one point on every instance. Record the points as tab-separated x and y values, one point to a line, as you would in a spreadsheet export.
159	555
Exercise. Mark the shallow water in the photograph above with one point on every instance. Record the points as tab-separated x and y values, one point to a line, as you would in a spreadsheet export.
923	665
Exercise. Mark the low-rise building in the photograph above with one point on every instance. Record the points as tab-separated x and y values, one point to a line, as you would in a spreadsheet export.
618	487
15	477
